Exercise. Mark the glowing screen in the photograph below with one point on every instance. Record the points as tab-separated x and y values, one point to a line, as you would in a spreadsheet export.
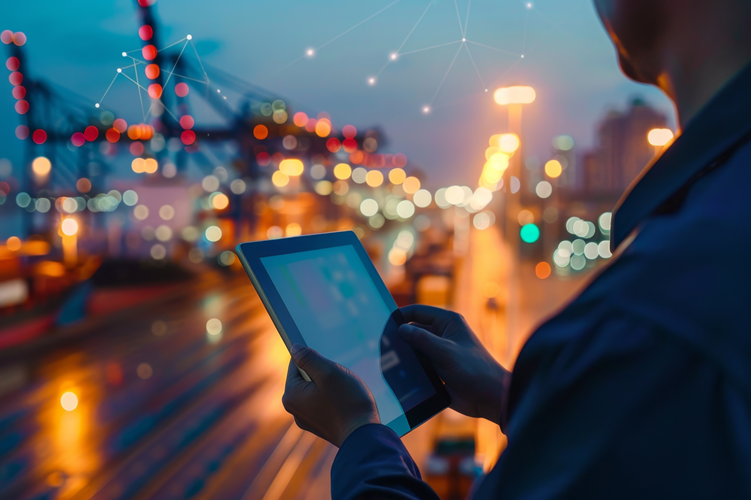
341	314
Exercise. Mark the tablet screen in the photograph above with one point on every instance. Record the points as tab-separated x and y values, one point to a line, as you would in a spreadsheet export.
340	313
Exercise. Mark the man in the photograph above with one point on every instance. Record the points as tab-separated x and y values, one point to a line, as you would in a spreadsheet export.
640	388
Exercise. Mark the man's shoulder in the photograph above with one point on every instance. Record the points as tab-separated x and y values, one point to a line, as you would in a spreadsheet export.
683	280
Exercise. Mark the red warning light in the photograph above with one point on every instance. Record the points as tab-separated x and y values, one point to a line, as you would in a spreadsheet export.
145	32
152	71
91	133
149	52
12	63
187	122
78	139
39	136
15	78
333	145
182	89
112	135
22	107
188	137
155	91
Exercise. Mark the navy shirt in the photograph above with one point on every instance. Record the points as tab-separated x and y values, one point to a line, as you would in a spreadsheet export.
641	387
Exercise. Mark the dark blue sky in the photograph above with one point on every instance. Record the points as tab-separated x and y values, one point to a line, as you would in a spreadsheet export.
568	59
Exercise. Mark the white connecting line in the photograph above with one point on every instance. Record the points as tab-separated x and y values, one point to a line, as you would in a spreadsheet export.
169	72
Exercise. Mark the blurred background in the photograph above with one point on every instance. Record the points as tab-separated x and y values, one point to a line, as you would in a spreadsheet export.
477	148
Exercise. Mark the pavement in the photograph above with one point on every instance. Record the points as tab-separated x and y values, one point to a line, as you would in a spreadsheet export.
168	411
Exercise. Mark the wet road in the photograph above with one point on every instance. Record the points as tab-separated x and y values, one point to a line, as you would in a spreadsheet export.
165	409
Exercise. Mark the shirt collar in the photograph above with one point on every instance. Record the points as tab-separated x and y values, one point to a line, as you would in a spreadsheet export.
719	126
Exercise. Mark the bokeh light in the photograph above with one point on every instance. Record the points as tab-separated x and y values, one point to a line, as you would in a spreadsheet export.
530	233
553	169
397	176
69	401
213	234
292	167
41	166
543	270
374	178
342	171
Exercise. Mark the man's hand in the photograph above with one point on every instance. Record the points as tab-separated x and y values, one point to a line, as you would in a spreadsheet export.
334	404
474	379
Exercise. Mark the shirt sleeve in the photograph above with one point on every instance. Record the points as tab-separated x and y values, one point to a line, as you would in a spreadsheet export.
621	412
374	464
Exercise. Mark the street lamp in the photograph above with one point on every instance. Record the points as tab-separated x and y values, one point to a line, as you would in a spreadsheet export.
514	98
659	138
69	230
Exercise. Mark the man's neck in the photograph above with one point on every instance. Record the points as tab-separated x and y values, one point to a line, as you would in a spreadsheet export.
692	88
698	67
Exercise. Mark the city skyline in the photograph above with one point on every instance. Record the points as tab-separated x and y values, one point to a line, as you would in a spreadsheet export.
572	105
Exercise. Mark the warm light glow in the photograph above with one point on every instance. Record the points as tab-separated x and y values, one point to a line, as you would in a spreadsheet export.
374	178
220	201
659	137
13	243
515	95
292	167
553	169
138	165
542	270
260	132
411	185
214	326
342	171
150	166
41	166
323	128
509	143
69	227
293	229
69	401
280	179
213	234
397	176
397	257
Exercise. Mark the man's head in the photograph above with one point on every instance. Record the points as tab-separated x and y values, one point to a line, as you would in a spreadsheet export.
653	35
639	29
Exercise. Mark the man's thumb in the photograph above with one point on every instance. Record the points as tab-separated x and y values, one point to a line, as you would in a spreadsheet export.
433	346
310	361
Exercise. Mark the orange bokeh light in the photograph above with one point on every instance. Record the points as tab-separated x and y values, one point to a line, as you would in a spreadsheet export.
155	91
112	135
260	132
149	52
300	119
542	270
152	71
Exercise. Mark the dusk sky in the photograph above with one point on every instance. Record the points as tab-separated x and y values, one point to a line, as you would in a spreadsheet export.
567	58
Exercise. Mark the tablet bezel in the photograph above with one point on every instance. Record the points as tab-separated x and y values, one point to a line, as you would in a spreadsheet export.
250	255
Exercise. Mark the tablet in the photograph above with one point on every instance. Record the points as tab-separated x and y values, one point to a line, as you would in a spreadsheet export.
323	291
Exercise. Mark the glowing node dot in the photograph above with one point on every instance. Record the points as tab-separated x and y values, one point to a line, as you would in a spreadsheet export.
486	90
96	105
125	54
189	37
464	39
393	56
310	52
119	70
218	91
522	56
426	109
371	81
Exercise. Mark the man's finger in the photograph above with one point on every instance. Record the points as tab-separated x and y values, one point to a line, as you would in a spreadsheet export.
433	346
293	374
311	362
426	315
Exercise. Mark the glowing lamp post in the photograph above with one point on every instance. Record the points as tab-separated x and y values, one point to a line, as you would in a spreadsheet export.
659	138
514	98
69	229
